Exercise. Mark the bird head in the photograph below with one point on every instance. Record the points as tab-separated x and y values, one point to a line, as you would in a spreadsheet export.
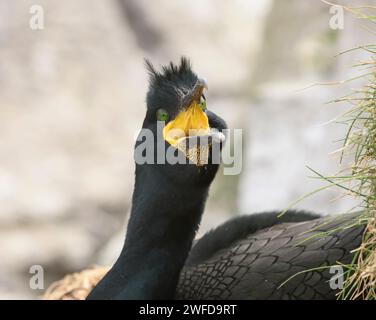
177	107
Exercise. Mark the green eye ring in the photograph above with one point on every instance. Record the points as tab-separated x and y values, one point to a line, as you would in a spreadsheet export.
202	103
162	115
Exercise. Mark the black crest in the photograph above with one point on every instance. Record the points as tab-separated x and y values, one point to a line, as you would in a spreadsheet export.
168	85
171	72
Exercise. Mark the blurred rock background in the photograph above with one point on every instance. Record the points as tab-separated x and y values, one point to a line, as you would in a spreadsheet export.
72	97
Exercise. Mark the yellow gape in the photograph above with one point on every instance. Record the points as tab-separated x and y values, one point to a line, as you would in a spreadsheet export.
192	122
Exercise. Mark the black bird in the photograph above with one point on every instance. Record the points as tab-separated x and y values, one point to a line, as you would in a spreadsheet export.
262	256
248	257
168	199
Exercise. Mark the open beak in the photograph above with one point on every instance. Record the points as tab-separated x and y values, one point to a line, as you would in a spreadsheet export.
190	131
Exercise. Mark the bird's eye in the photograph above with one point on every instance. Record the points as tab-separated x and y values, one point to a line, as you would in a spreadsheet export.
162	115
203	102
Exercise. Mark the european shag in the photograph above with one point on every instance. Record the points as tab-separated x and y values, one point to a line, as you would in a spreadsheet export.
248	257
168	198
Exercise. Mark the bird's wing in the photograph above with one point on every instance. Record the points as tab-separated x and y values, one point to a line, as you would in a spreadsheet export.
238	228
256	267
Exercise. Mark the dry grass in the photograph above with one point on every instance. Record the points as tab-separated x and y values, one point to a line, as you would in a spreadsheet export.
75	286
360	143
359	179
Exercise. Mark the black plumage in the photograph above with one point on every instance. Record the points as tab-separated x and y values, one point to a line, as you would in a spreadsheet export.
167	204
246	258
266	257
